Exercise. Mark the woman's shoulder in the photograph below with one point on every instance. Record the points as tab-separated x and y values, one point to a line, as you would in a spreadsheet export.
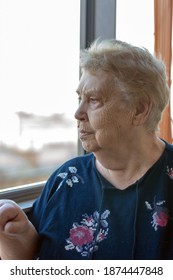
80	164
169	153
169	148
71	173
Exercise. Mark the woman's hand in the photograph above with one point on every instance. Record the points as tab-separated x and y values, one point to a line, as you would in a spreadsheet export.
18	237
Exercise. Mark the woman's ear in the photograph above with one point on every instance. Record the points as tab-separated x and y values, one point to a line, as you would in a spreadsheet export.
142	112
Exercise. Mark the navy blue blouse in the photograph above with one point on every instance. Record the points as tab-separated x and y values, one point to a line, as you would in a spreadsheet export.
80	215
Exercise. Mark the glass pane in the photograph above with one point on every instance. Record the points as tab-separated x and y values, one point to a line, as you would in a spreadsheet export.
135	22
39	72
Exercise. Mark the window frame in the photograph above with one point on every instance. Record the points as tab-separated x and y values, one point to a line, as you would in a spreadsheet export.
23	195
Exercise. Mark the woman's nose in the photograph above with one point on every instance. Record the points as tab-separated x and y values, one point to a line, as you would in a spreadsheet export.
81	112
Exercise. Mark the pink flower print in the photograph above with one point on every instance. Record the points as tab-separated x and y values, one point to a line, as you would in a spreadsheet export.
170	172
84	238
81	235
160	219
160	216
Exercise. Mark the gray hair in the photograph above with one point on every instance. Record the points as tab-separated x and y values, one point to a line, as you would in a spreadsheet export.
138	75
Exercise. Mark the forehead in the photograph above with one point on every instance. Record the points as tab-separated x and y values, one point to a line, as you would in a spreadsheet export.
98	81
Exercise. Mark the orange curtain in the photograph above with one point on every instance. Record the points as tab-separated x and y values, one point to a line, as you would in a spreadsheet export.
163	48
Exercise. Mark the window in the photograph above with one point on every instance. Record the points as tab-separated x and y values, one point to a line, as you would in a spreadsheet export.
39	73
135	22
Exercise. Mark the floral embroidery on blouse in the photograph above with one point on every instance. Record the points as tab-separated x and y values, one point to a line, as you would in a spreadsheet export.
71	177
160	214
82	236
170	172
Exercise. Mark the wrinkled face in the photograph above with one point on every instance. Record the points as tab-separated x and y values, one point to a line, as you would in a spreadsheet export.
104	121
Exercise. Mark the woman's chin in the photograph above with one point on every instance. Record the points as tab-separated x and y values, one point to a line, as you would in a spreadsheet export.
89	147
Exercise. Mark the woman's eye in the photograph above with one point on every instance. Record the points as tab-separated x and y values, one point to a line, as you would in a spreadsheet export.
95	103
93	100
79	99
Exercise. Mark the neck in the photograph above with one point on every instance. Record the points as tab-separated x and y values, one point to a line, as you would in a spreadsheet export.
125	166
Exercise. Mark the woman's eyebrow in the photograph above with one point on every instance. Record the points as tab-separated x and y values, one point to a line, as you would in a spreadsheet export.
88	92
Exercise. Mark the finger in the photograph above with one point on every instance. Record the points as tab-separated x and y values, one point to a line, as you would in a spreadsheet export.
8	212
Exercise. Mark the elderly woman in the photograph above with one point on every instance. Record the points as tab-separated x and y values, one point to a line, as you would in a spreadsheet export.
115	202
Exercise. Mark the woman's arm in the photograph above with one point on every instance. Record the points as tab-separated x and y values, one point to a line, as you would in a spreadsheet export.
18	237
